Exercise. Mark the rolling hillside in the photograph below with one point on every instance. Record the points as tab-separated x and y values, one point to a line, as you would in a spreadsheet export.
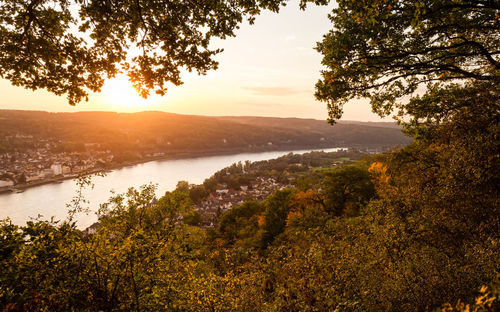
166	132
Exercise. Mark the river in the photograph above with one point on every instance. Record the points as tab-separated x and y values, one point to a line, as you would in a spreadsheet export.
51	199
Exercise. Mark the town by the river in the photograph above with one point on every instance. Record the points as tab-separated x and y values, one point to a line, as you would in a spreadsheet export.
50	200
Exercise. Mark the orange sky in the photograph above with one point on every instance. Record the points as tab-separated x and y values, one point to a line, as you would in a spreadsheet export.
268	69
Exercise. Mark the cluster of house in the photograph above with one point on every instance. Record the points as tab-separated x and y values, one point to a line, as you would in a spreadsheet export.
223	199
42	163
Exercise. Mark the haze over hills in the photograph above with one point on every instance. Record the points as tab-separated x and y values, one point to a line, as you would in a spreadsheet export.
307	123
171	133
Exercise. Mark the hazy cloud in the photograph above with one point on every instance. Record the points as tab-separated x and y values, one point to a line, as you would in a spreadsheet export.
276	91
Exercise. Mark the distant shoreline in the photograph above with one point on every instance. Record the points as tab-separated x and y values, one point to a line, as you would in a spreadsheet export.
173	156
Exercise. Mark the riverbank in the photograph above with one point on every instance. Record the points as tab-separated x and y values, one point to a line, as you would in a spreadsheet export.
175	155
18	188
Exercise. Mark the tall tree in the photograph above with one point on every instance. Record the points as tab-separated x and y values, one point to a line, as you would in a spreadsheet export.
386	49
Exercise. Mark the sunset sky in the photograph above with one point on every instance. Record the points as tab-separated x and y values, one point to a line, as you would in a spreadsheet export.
268	69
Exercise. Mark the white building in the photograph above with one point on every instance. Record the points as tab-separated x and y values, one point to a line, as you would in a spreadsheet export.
57	169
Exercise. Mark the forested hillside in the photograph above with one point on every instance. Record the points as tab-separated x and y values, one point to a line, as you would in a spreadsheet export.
165	132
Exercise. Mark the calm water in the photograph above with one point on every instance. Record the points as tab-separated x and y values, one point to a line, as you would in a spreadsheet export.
51	199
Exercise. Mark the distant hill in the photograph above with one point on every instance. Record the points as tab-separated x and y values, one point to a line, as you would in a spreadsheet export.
167	132
303	122
352	133
383	124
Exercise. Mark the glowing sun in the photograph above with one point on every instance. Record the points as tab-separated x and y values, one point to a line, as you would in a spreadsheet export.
119	92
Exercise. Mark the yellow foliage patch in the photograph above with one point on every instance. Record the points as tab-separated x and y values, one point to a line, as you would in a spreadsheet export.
379	170
261	222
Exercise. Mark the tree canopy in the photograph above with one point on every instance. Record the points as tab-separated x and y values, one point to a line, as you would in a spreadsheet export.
384	50
71	46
